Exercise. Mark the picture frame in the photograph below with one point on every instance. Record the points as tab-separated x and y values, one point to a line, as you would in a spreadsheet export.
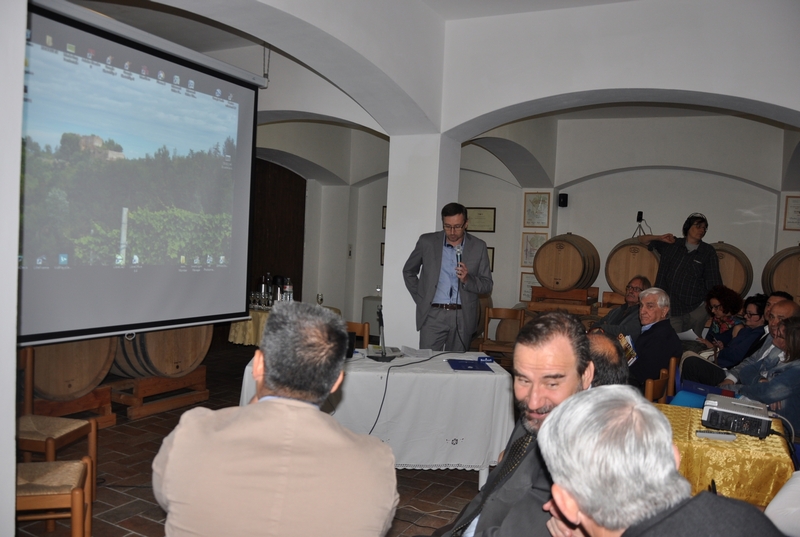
791	214
531	242
490	251
482	219
383	249
536	209
526	282
383	221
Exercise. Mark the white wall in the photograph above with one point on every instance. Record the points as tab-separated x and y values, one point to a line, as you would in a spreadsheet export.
325	145
603	211
367	272
727	145
479	190
724	47
293	87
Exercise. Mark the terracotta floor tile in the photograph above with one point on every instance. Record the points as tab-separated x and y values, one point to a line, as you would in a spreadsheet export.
122	512
435	492
143	526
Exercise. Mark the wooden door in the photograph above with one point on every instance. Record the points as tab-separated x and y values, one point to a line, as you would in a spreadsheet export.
277	224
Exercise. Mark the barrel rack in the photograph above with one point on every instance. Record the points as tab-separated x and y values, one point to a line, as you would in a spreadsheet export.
178	392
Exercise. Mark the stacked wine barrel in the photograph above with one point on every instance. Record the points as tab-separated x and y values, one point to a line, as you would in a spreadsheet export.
782	272
566	262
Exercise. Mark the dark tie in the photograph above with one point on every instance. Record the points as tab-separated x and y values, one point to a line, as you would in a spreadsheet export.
512	459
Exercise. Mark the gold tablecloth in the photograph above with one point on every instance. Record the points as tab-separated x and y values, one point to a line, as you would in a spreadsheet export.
747	469
249	332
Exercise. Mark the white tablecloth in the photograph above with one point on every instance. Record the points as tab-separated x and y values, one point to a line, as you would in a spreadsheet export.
432	417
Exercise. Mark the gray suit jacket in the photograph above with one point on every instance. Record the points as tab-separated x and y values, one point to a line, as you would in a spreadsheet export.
427	255
515	506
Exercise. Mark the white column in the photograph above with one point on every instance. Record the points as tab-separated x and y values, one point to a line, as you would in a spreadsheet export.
12	57
423	177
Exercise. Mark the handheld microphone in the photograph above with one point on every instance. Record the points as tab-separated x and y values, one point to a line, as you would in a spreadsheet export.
459	251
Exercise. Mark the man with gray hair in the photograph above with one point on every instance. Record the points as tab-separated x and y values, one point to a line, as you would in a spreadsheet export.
279	466
615	472
658	341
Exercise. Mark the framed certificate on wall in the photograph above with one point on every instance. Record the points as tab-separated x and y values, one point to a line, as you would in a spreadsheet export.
481	219
537	209
526	282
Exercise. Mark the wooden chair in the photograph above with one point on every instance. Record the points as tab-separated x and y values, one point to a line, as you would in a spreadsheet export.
48	434
361	330
505	345
59	488
673	371
611	300
655	391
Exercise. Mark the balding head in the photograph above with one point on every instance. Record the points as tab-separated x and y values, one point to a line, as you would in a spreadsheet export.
780	311
610	366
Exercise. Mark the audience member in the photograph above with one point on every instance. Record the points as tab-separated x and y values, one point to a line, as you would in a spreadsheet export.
733	352
704	372
551	362
609	362
279	466
776	381
658	341
724	305
687	271
624	319
615	472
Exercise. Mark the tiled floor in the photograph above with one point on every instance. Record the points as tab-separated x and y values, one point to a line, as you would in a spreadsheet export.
125	505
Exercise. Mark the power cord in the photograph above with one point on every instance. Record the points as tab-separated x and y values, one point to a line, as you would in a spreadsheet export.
788	436
386	383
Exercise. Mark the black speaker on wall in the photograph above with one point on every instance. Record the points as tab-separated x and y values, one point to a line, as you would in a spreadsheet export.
563	200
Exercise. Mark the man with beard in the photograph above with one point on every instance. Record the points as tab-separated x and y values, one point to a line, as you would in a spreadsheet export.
551	363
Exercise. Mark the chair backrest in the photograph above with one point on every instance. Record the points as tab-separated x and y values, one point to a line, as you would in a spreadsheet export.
612	299
655	391
361	330
517	315
673	372
25	363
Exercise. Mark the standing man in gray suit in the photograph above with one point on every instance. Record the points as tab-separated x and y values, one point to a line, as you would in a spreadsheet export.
454	271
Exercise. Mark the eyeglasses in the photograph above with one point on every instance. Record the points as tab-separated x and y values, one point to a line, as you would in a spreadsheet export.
634	289
715	306
748	314
448	227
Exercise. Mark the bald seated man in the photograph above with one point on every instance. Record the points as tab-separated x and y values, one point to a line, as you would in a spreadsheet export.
608	358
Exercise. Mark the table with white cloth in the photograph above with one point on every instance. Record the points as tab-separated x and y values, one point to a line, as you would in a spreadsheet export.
432	416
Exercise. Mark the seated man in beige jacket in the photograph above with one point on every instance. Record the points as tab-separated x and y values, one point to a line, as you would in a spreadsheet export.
279	466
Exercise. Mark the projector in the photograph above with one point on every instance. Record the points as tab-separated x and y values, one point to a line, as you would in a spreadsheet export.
736	415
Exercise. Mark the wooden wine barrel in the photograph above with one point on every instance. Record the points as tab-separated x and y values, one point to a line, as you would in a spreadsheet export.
165	353
734	267
67	371
566	262
782	273
627	259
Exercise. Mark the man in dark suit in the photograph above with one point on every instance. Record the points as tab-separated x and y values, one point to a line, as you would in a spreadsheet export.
454	271
658	341
551	363
615	472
